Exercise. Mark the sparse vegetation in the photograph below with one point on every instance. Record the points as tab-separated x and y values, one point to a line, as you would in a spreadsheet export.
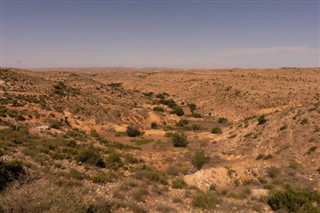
205	200
295	200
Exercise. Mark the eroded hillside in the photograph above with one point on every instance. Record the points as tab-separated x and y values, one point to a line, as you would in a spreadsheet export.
160	141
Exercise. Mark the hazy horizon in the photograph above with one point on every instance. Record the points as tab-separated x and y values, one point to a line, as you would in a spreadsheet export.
160	34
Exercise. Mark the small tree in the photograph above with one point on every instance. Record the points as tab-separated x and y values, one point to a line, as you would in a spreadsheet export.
179	140
199	159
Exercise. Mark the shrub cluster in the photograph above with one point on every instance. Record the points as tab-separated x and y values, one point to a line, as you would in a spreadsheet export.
295	200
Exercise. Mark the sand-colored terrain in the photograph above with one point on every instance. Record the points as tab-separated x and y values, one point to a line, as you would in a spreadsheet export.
259	130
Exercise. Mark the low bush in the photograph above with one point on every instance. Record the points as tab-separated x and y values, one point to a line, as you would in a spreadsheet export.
182	122
179	183
10	171
133	131
179	140
158	109
90	156
216	130
222	120
295	200
199	159
262	120
178	111
204	200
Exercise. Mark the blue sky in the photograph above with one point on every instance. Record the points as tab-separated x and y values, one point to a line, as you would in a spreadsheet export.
182	34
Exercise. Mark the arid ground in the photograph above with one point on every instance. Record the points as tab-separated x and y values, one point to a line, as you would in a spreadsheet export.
160	140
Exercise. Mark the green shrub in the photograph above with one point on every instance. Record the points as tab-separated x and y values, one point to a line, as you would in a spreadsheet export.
204	200
182	122
91	156
261	120
178	111
216	130
133	131
295	200
179	140
158	109
199	159
222	120
196	115
10	171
